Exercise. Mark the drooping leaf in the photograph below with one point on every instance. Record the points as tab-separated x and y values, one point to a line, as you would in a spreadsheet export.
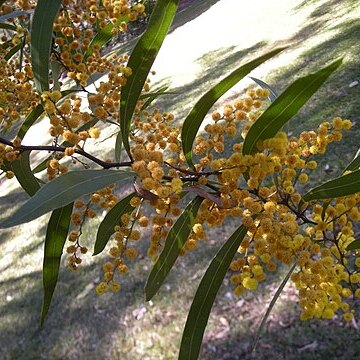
64	190
6	44
13	51
118	146
273	95
196	116
56	69
174	242
103	36
7	26
21	56
325	206
272	304
355	245
141	60
29	121
205	296
355	163
41	39
154	95
111	219
285	107
22	171
56	234
344	185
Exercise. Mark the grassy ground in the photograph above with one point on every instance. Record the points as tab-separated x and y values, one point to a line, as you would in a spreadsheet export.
81	325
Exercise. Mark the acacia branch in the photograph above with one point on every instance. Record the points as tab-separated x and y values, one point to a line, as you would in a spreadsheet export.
104	164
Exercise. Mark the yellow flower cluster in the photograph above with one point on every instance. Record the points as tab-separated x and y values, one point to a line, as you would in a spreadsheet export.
125	233
74	34
77	58
103	199
17	95
156	155
7	155
281	227
263	190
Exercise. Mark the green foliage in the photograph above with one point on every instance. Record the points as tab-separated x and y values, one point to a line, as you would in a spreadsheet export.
355	245
24	175
118	146
141	60
13	51
30	120
7	26
58	195
56	234
272	304
286	106
41	39
64	190
106	228
205	296
355	163
103	36
341	186
174	242
196	116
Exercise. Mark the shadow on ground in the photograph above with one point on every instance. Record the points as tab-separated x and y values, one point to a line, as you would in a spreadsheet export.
215	65
81	325
335	97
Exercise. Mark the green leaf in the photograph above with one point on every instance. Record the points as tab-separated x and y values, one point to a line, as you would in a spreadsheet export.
344	185
22	171
325	206
285	107
56	69
56	234
152	96
118	146
6	44
29	121
273	95
111	219
174	242
41	40
355	245
21	56
197	114
13	51
7	26
272	304
64	190
355	163
141	60
103	36
205	296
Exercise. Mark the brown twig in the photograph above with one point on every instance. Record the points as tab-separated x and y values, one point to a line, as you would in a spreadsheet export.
104	164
